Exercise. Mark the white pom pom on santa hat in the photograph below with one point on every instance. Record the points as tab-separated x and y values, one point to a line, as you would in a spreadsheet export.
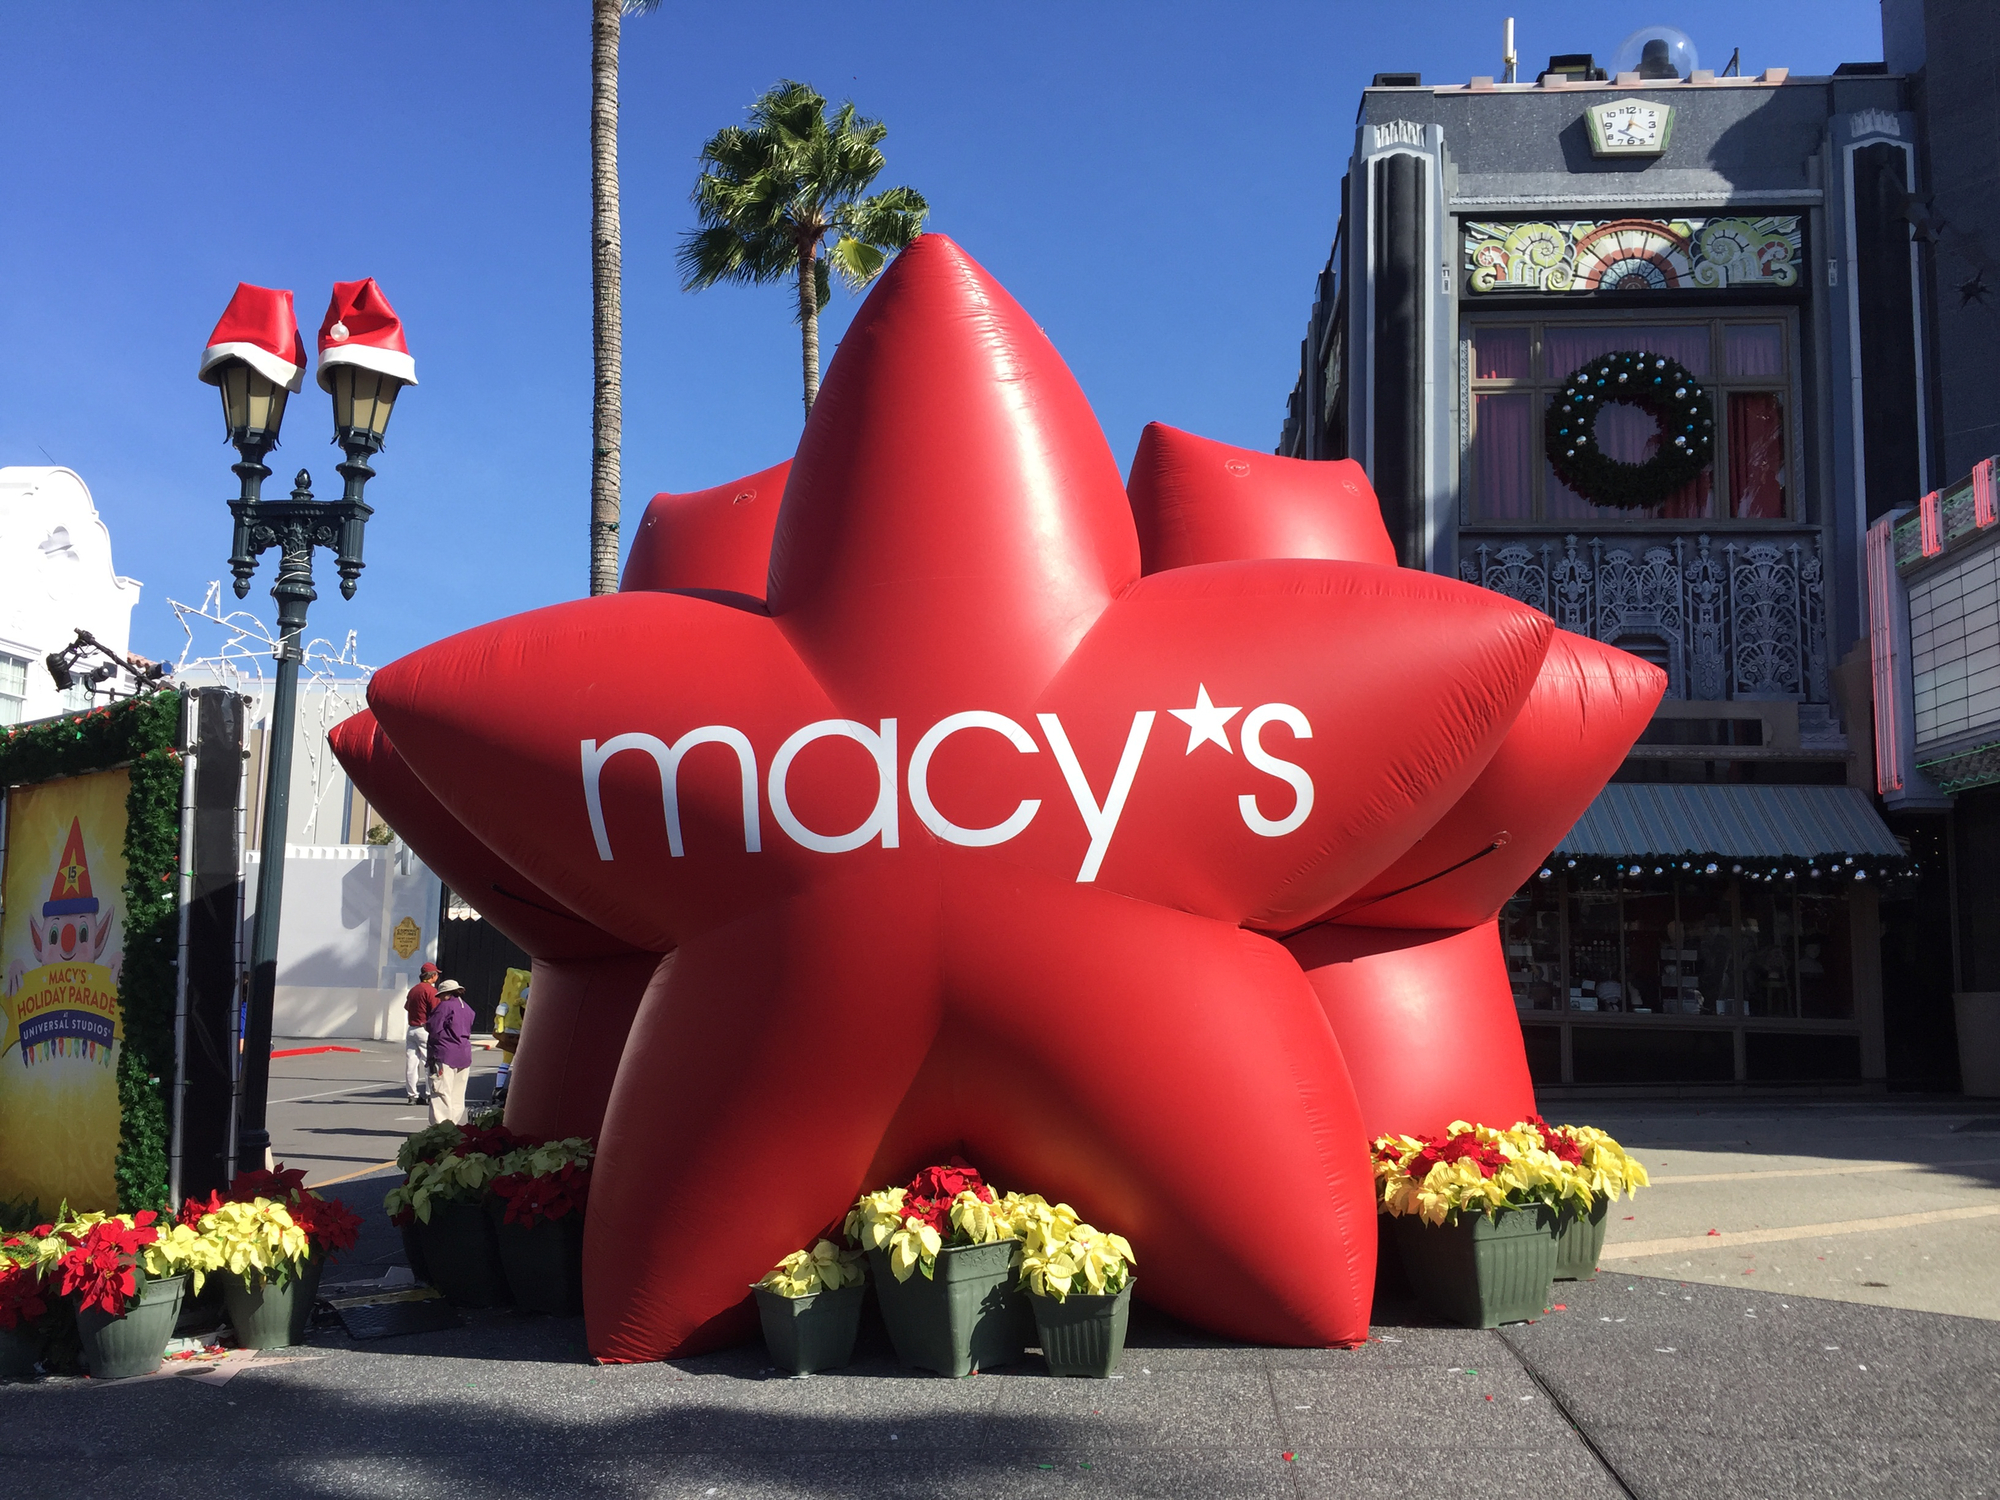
259	328
361	328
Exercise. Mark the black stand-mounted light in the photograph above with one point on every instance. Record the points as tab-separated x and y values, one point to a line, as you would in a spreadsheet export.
257	358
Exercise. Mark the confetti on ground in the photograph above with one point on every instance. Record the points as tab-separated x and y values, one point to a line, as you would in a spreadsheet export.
1560	1307
1287	1457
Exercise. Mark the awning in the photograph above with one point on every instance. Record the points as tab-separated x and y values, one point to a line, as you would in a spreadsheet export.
1653	820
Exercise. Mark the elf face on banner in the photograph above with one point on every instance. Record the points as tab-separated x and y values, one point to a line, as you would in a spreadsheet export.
61	950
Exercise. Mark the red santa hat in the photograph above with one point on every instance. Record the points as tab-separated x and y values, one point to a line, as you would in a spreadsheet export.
361	328
259	328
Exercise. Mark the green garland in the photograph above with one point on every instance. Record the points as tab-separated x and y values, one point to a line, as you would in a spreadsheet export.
1661	387
143	735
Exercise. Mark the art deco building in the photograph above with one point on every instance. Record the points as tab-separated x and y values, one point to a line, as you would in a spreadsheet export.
1645	346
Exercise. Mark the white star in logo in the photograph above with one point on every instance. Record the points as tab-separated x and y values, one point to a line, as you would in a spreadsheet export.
1205	721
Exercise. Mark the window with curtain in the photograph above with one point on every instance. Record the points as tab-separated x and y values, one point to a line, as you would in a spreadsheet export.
13	687
1515	367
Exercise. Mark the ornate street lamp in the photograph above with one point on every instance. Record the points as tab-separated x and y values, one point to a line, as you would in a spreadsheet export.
256	358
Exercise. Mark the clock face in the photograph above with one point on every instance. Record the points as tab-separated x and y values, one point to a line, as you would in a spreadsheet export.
1630	127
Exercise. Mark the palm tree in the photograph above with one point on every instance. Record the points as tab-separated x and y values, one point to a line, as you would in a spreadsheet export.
781	198
607	417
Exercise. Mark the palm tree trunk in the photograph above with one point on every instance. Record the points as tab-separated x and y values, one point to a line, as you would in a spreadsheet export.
607	321
809	319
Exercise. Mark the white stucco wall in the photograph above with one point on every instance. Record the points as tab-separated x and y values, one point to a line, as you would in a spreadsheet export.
56	576
339	974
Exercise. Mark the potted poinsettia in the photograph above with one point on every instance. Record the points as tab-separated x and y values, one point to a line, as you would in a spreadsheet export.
125	1282
1476	1212
942	1251
424	1147
444	1196
810	1306
536	1203
1079	1282
1604	1171
26	1301
269	1284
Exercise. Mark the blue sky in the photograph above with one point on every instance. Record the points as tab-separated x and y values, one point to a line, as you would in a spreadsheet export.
1156	183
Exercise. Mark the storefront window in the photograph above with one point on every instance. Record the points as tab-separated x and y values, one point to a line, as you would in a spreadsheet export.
1707	949
1825	964
1596	952
1531	933
1696	948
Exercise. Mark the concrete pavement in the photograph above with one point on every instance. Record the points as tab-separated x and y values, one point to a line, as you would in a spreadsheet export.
1888	1202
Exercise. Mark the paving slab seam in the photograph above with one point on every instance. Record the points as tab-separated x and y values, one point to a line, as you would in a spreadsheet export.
1528	1368
1284	1428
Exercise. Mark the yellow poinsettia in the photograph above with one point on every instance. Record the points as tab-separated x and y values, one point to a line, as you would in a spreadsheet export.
547	1158
824	1268
1474	1168
449	1179
258	1240
1607	1167
1061	1254
877	1222
182	1250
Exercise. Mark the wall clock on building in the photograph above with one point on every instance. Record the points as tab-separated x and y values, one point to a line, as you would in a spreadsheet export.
1629	127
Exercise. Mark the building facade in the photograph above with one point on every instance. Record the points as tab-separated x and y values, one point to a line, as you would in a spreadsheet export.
56	577
1648	352
1934	561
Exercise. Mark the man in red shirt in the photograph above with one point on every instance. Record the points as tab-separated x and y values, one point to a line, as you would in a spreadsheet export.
422	1000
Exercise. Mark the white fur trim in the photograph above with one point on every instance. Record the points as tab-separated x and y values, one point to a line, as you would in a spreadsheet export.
258	358
368	357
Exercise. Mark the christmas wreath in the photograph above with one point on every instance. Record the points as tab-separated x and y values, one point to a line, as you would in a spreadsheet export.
1656	385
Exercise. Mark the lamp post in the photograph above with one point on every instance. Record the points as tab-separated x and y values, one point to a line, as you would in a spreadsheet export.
253	406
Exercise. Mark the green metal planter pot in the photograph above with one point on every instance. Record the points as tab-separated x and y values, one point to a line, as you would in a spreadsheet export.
462	1255
413	1251
269	1316
1580	1241
1482	1272
967	1317
804	1334
20	1348
120	1348
1083	1334
543	1263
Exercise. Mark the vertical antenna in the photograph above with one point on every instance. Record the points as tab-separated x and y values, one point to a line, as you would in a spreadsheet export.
1735	58
1507	57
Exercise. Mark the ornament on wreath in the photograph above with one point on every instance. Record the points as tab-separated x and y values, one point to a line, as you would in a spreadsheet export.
1663	388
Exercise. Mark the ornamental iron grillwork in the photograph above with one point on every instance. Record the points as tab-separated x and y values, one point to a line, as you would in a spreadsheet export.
1590	255
1743	620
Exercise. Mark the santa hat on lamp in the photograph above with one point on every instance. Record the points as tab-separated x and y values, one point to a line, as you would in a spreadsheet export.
259	328
361	328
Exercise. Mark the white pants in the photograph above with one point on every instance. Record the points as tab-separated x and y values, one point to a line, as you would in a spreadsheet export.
416	1063
448	1095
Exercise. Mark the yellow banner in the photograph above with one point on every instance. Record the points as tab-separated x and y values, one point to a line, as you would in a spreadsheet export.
62	946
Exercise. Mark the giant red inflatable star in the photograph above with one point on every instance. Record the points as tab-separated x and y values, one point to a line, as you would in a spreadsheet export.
968	838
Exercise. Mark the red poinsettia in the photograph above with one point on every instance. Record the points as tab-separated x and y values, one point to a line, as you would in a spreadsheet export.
329	1224
194	1210
1555	1142
553	1195
493	1140
1466	1147
930	1194
278	1185
21	1294
97	1269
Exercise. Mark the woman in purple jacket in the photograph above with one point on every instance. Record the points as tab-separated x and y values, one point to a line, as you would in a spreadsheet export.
450	1028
